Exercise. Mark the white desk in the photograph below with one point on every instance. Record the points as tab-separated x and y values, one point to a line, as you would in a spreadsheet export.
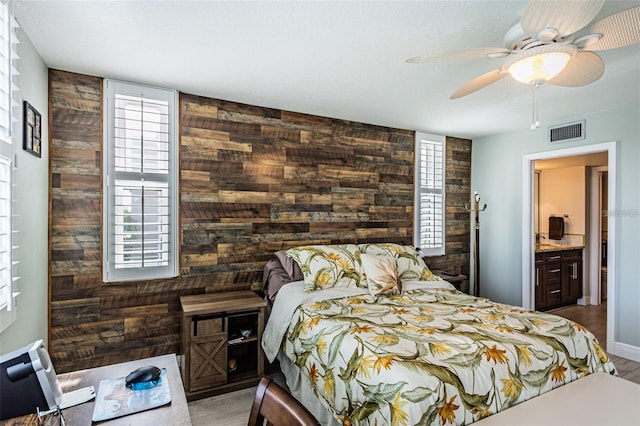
598	399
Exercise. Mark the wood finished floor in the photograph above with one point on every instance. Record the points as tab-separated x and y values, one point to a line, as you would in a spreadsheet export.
232	409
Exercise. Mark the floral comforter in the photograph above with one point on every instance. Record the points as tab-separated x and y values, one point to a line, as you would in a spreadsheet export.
431	355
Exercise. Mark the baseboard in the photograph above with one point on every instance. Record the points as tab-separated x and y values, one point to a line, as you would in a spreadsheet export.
589	300
626	351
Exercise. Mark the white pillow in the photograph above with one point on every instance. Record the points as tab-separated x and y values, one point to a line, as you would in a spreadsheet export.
381	274
409	263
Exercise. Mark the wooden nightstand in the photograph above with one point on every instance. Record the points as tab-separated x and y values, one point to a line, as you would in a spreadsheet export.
459	281
216	356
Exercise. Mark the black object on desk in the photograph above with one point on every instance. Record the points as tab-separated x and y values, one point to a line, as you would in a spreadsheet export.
148	373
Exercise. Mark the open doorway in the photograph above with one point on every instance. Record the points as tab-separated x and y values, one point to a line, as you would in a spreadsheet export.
571	189
593	246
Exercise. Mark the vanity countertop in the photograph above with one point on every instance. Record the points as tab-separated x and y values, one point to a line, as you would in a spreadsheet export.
541	248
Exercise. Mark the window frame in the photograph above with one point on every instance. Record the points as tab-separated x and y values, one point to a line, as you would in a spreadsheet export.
10	110
113	88
436	249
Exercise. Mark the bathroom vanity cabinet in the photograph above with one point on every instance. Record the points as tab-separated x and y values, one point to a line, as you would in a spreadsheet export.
558	277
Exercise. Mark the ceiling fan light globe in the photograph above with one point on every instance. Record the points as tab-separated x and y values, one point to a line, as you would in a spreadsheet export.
539	68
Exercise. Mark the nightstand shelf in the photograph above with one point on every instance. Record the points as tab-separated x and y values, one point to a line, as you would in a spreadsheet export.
459	281
217	356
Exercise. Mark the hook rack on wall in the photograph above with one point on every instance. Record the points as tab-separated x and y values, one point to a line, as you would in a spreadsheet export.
476	208
476	252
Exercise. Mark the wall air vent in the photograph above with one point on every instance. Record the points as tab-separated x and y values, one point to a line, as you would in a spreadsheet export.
567	132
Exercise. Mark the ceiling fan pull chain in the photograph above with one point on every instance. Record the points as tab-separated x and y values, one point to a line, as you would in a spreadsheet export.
535	123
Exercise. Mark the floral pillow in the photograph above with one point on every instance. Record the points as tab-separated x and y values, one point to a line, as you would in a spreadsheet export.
325	266
409	263
381	274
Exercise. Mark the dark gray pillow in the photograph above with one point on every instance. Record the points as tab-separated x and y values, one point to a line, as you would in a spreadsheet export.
289	265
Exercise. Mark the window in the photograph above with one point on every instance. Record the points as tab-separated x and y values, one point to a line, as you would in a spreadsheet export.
8	115
140	182
430	194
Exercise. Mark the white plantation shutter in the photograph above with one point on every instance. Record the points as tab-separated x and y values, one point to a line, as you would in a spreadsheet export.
9	115
140	183
6	258
8	72
430	193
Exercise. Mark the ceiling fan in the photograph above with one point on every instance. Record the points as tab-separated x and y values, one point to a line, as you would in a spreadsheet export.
554	43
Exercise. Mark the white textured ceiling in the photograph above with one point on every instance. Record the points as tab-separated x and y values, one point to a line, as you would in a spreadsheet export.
337	59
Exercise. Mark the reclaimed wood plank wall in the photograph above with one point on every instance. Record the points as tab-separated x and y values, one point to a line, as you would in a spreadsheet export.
252	181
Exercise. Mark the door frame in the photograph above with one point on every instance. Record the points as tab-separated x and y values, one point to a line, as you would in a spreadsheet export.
595	228
528	241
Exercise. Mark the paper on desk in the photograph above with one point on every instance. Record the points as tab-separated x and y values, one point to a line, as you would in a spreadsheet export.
77	397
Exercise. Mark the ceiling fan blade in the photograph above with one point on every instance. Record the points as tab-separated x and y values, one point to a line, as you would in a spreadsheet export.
584	68
620	29
464	55
565	16
479	83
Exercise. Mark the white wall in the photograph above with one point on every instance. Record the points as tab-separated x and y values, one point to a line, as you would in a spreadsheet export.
497	176
563	192
32	207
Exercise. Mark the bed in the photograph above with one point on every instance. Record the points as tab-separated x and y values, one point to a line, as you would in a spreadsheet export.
369	336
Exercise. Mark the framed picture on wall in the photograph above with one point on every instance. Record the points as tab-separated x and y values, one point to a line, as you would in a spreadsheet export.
32	133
